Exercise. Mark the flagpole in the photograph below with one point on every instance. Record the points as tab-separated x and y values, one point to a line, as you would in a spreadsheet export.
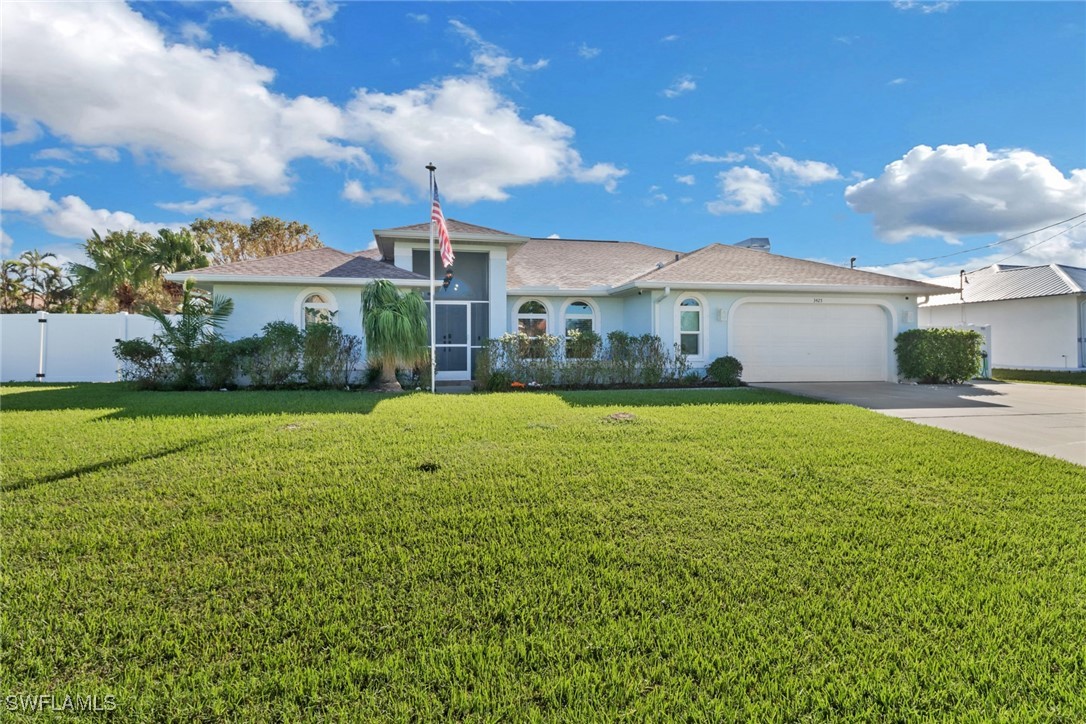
433	290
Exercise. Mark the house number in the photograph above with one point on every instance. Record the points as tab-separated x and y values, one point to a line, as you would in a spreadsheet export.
817	300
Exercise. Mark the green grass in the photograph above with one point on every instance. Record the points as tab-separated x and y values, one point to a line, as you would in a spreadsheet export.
1056	377
725	555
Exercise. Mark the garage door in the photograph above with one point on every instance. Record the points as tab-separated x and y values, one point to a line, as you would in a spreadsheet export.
810	342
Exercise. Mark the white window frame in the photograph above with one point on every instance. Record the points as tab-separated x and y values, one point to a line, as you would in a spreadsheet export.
703	336
300	305
593	316
545	316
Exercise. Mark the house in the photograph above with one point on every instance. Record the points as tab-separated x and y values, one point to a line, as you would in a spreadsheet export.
1036	314
783	318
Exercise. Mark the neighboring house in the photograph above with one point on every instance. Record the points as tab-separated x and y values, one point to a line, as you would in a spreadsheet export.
1036	314
785	319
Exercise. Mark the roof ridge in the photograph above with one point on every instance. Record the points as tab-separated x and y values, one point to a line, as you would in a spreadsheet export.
1075	286
271	256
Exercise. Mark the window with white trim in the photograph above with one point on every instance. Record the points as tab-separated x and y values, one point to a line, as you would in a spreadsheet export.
318	307
532	318
690	330
580	318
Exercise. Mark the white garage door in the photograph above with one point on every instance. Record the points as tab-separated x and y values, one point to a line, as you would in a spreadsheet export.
811	342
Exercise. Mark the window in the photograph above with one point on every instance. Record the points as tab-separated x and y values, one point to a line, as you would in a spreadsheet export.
580	318
532	318
317	307
690	329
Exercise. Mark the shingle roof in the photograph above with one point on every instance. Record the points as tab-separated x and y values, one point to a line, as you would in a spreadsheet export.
723	264
575	264
311	263
455	227
998	283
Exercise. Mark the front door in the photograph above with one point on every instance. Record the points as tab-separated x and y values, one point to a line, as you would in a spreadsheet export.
453	333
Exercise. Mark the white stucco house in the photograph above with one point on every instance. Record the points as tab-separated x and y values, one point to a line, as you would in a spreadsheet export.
1036	315
785	319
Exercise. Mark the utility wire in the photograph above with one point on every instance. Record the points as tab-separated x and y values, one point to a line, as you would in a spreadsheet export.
1061	233
994	243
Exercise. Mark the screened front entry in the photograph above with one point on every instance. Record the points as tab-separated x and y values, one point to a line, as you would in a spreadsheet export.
462	313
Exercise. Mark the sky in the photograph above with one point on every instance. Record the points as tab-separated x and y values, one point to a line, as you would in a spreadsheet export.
919	137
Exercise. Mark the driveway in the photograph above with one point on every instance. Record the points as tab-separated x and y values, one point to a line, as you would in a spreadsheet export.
1048	419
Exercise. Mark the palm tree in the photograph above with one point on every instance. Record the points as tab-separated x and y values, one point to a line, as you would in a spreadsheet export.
14	286
36	275
395	325
196	323
120	266
173	251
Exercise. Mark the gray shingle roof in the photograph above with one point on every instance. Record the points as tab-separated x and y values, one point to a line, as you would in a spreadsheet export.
575	264
455	227
998	283
723	264
311	263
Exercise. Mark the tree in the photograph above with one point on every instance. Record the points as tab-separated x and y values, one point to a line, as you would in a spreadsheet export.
120	267
195	324
39	276
14	287
173	251
395	325
231	241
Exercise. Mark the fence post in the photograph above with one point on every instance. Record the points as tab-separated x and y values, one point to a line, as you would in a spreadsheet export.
42	320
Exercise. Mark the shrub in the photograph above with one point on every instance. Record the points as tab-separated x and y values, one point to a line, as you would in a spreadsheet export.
726	370
328	355
939	355
141	362
218	363
274	362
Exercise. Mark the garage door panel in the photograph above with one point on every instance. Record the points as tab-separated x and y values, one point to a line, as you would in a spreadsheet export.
810	342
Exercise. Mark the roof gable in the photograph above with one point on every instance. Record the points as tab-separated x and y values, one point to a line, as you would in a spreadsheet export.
324	262
455	227
578	264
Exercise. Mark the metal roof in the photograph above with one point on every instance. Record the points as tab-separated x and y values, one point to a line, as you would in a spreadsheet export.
998	283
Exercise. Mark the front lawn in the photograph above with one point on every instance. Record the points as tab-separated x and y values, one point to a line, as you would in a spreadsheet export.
723	555
1070	377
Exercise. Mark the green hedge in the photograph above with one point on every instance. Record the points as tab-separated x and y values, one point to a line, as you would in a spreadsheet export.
939	355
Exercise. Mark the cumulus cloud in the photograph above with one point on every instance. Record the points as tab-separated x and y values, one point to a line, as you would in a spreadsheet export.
206	114
217	207
682	84
587	52
489	59
803	173
953	191
729	157
744	190
477	135
194	32
927	8
70	217
299	20
6	244
356	193
687	179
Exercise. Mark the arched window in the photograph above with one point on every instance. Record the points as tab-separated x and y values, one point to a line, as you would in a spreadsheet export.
317	307
690	328
580	318
532	318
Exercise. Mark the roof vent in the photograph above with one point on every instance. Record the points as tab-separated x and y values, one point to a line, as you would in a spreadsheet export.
660	265
759	243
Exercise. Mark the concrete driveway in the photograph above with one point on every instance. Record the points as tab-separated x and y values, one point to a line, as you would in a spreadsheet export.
1048	419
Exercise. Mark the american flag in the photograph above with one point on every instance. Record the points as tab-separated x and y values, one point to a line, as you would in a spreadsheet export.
438	218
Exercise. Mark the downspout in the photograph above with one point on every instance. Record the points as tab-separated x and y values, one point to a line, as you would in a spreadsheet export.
656	311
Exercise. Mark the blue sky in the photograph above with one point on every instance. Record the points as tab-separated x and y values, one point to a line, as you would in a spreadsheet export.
888	131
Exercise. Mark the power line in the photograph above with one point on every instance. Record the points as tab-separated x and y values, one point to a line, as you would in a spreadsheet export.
1061	233
994	243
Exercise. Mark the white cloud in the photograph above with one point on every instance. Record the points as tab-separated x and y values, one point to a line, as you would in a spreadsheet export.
669	38
299	20
206	114
687	179
587	52
744	190
105	153
476	137
419	17
489	59
216	207
194	33
554	236
6	244
804	173
26	128
953	191
664	118
682	84
55	154
354	192
707	158
70	217
898	81
927	8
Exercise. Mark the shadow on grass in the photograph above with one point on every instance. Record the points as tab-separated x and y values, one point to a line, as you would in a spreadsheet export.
123	401
104	465
680	397
891	396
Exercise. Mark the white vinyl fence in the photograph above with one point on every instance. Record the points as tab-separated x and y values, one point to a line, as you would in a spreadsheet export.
66	347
